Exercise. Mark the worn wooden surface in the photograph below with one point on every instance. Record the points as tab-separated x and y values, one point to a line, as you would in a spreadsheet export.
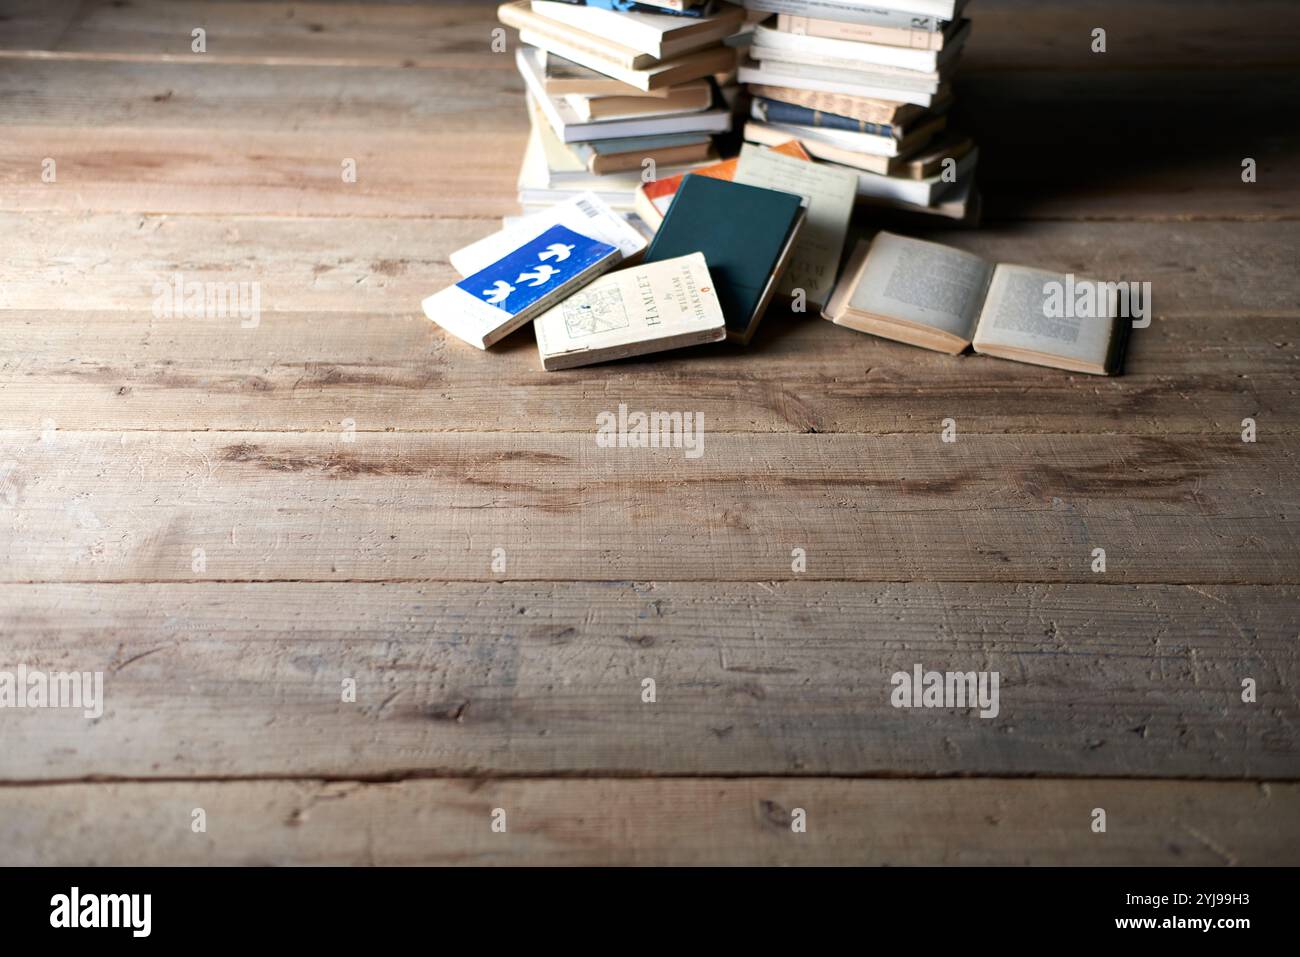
346	472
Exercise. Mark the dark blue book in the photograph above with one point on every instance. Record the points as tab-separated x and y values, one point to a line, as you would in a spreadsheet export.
774	111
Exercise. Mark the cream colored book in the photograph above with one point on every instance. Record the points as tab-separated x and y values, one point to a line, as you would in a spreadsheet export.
946	299
830	194
649	308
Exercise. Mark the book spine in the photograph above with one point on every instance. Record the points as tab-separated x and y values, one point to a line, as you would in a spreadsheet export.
774	111
860	33
847	11
841	105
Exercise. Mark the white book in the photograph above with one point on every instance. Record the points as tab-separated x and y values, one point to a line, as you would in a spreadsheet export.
616	190
571	128
917	192
586	214
496	300
771	73
817	67
660	35
648	308
826	50
892	13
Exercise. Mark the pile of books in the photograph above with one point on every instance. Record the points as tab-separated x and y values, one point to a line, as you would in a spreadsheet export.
636	238
866	86
621	92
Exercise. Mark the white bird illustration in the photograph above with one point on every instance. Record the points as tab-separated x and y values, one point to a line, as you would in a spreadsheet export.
499	292
557	251
540	274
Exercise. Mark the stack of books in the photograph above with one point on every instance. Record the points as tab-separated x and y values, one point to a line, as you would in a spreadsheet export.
620	92
865	86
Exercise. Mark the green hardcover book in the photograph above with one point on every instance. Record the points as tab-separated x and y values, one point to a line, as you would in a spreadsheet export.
745	234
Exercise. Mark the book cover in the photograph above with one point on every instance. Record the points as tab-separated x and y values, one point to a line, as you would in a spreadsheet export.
648	308
745	234
498	299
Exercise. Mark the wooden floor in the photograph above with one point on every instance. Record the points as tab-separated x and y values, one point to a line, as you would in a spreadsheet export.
231	522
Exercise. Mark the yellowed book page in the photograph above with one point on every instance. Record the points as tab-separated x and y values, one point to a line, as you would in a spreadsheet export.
1036	310
923	283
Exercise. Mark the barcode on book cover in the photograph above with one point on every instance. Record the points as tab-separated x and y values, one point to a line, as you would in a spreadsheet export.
587	208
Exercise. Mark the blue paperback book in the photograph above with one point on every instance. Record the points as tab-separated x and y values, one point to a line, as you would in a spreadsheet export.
519	286
774	111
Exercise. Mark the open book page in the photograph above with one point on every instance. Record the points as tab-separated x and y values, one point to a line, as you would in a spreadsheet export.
1024	312
922	283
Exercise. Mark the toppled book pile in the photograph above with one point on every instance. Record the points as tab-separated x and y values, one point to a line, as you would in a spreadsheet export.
636	237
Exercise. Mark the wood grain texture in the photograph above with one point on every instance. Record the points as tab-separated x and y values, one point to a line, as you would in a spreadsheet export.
306	371
653	823
1008	35
342	330
58	261
132	506
229	138
218	680
131	440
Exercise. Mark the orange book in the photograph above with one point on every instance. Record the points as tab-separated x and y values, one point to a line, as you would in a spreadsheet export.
652	199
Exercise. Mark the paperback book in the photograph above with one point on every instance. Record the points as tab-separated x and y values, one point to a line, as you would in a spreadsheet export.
496	300
946	299
668	304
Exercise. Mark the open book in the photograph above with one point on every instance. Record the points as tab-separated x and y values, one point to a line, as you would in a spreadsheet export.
946	299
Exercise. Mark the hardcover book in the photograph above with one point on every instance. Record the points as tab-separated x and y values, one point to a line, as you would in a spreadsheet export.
745	233
648	308
946	299
498	299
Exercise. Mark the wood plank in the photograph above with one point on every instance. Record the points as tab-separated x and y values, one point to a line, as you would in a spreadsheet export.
341	330
329	34
1017	35
261	139
697	822
57	260
306	371
292	174
221	680
483	95
104	506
